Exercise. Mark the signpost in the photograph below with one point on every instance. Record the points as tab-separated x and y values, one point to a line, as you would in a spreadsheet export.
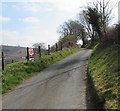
31	52
31	55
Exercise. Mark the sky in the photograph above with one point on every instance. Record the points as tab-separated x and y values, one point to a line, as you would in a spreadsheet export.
25	22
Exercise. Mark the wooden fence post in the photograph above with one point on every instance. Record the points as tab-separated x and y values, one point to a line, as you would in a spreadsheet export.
48	49
39	49
60	45
12	61
2	61
27	53
56	47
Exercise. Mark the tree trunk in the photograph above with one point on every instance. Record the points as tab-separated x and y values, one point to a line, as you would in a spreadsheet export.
83	40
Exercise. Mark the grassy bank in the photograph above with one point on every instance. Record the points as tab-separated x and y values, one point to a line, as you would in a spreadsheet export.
15	73
104	76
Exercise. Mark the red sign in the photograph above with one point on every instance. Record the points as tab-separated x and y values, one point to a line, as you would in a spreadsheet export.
31	52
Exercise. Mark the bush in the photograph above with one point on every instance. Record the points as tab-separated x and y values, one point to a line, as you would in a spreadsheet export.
112	35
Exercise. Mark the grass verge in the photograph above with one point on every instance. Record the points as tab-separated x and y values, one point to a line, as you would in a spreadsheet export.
15	73
104	76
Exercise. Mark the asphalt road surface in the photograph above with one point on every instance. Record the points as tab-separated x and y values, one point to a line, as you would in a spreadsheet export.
60	86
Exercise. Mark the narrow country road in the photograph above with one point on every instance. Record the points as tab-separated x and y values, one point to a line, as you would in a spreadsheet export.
60	86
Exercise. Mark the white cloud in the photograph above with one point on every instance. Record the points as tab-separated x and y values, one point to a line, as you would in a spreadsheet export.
38	34
21	0
10	37
33	8
66	5
32	35
31	19
4	19
50	5
36	7
16	7
62	5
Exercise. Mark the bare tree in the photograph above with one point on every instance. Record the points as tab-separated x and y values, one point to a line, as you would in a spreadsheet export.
95	18
105	10
90	31
42	45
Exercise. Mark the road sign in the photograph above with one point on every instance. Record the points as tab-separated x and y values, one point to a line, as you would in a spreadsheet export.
31	52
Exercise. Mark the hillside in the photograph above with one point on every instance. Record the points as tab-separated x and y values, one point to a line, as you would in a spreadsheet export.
104	75
15	53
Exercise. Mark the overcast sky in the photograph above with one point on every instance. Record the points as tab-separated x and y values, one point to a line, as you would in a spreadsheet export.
26	23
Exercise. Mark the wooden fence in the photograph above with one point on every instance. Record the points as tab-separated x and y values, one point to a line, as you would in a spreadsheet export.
28	55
